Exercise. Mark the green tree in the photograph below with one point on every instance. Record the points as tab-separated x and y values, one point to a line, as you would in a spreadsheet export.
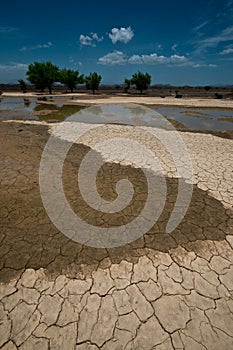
43	74
22	85
92	81
141	80
70	78
127	84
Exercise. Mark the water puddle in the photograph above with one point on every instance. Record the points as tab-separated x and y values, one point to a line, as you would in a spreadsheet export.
55	109
200	119
41	109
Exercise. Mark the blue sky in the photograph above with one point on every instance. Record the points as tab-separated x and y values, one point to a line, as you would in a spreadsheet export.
177	42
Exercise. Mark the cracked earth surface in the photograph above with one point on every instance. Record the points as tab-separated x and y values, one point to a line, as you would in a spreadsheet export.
163	291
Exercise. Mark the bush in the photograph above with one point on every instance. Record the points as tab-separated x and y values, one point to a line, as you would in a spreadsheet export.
22	85
178	95
218	96
127	84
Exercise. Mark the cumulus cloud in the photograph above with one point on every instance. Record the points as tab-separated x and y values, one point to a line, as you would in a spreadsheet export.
177	59
118	57
90	40
156	59
96	37
85	40
35	47
123	35
135	59
227	51
113	58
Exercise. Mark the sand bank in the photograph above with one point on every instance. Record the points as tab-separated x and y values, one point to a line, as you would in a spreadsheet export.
88	99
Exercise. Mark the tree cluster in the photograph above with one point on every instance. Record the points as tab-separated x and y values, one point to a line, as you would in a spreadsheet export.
45	74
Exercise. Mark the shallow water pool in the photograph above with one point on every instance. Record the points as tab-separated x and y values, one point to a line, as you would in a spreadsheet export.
54	109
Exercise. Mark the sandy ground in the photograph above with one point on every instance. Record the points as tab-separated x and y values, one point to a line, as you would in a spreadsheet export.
162	291
121	98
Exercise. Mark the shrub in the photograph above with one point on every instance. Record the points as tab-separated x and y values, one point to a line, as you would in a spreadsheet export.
218	96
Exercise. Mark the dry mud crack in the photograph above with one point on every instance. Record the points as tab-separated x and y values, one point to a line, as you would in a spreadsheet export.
163	291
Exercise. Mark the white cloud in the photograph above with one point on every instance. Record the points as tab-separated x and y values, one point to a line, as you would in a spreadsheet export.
85	40
96	37
227	51
198	65
12	71
174	47
153	58
200	26
177	59
36	47
14	66
214	41
90	40
156	59
113	58
123	35
118	57
135	59
8	29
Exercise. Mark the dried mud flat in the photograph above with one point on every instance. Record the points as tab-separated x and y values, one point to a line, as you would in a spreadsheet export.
163	291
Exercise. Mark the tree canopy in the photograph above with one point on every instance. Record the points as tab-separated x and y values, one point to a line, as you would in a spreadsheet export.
43	74
92	81
141	81
71	78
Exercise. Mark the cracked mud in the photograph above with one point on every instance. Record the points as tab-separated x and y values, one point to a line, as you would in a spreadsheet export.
163	291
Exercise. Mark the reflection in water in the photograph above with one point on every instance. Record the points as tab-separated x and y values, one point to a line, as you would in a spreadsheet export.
126	114
29	108
57	112
200	119
129	114
26	102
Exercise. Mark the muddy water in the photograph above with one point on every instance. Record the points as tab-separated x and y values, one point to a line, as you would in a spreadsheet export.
55	110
